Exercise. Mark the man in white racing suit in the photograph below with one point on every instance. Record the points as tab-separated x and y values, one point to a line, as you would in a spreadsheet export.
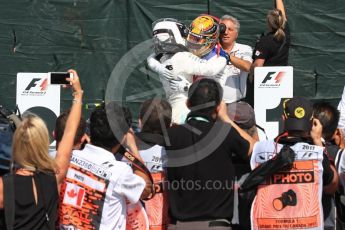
176	66
233	78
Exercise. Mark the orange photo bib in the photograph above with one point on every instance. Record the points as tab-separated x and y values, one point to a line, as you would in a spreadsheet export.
290	198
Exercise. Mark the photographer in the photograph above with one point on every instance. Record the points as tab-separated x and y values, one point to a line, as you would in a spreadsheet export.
104	183
295	170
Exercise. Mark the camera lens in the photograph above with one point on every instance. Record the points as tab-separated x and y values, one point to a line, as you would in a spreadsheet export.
287	198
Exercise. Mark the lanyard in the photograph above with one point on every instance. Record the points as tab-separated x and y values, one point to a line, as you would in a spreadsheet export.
198	119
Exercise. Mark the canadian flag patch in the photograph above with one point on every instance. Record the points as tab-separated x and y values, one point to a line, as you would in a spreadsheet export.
74	195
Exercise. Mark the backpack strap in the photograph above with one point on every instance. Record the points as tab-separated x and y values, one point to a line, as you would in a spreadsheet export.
8	186
337	158
140	166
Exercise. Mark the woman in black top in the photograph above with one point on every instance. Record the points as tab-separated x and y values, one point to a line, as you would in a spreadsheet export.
272	49
36	178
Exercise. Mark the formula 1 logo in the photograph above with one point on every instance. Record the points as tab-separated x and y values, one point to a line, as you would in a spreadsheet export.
272	80
36	87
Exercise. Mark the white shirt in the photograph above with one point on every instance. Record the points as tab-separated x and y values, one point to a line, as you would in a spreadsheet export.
96	189
341	108
153	158
235	80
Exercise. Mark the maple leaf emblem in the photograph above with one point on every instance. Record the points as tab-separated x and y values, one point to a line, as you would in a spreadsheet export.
71	193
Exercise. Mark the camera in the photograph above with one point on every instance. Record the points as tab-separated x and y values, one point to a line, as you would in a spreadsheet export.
8	123
287	198
59	78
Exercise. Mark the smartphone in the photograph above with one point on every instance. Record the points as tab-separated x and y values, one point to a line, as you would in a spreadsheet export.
59	78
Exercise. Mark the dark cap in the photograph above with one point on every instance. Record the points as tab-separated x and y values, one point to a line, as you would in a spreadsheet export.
242	114
298	112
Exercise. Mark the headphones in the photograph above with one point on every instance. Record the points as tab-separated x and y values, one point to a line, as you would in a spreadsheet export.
222	26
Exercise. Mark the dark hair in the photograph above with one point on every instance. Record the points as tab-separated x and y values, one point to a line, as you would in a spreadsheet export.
152	113
205	95
328	116
100	132
60	124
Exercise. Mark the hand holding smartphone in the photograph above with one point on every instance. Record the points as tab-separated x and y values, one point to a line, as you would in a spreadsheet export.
59	78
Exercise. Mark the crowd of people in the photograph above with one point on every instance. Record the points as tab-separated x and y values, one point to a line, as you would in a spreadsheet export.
196	161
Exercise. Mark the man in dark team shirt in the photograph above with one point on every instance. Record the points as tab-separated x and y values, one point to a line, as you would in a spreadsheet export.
199	166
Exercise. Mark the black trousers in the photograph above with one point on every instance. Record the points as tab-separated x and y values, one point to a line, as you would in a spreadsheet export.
250	91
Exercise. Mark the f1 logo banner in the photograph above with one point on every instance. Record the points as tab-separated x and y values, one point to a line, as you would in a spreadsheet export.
35	95
271	84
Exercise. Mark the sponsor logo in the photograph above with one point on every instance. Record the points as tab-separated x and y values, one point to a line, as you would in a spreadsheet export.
36	87
262	157
299	112
130	157
272	80
89	166
293	177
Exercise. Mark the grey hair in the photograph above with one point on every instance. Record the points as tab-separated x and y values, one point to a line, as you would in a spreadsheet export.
233	19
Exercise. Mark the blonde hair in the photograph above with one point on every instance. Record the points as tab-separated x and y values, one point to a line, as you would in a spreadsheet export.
31	145
276	23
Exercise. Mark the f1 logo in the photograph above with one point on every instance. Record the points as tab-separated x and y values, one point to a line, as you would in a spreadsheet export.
33	83
268	77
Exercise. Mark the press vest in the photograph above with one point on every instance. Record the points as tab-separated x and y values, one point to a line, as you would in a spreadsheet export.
291	197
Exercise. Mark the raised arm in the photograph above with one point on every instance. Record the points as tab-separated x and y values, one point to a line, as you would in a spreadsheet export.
64	150
341	108
242	60
129	142
154	64
280	6
240	63
222	115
